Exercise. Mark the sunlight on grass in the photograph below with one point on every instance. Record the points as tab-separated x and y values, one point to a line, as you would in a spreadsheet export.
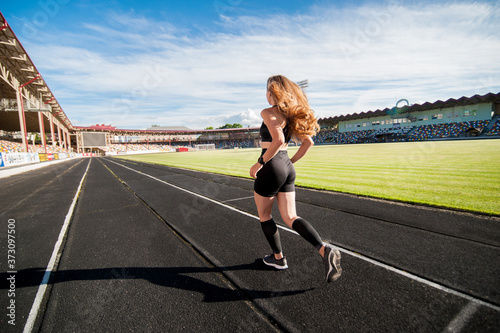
462	174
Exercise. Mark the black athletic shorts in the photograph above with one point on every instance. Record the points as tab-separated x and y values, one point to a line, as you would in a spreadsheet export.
277	175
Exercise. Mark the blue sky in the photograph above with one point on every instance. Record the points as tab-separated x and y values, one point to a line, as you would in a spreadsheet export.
133	64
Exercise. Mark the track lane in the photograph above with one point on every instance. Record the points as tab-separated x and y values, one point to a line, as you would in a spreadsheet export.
461	264
367	298
191	221
38	201
123	270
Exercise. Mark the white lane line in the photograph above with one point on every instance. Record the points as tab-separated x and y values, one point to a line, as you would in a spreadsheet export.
200	196
53	262
237	199
422	280
459	322
354	254
11	171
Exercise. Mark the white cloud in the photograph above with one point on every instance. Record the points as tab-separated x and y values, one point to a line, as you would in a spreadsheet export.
356	59
248	118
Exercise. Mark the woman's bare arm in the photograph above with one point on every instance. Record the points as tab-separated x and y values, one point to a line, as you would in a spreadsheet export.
307	143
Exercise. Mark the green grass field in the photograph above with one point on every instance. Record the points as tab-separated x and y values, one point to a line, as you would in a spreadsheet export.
461	174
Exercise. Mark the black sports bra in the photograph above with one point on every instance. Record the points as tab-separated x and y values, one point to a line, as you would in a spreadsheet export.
265	135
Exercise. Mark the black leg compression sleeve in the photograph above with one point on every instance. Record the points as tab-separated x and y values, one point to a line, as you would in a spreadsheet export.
307	232
272	234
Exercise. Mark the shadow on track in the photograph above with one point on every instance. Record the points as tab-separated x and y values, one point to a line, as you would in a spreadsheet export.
172	277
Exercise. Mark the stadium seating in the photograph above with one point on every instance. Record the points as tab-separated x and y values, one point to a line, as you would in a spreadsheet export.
17	147
10	147
122	147
50	149
449	130
333	136
495	130
229	144
325	136
220	144
407	133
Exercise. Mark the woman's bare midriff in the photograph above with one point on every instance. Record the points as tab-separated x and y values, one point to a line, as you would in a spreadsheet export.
266	145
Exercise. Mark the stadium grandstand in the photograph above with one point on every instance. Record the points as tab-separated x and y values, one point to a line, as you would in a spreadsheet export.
34	127
466	117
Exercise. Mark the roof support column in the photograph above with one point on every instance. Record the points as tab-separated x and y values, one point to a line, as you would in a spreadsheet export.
52	134
59	135
42	131
64	139
79	142
22	121
68	146
20	107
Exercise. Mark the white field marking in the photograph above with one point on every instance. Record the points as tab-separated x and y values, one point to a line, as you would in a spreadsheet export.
53	262
245	198
458	323
354	254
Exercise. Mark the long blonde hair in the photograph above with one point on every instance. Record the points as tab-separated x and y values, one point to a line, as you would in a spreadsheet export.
293	105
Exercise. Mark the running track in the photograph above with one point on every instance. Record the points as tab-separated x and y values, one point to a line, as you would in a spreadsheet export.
147	248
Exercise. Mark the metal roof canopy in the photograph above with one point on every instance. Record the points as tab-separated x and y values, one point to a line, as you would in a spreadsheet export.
462	101
17	71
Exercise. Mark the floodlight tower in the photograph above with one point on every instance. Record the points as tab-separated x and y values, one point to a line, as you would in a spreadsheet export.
303	85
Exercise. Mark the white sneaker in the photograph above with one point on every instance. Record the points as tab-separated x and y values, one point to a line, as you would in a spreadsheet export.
270	260
332	263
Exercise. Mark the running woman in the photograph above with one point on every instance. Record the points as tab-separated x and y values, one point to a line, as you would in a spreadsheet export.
274	173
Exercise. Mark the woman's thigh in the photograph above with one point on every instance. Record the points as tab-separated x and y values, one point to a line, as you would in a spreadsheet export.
287	208
264	206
